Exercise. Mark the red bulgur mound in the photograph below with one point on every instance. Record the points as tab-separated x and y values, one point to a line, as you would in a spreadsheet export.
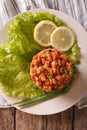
51	69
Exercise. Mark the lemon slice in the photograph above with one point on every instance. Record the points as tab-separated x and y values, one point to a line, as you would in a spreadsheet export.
62	38
43	31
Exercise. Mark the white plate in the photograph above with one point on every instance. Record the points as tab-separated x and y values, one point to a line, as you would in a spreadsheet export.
79	86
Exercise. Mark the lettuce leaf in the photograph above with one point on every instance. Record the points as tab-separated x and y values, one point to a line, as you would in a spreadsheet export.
74	53
17	53
14	75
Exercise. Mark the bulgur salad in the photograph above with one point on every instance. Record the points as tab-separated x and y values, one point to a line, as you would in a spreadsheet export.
51	69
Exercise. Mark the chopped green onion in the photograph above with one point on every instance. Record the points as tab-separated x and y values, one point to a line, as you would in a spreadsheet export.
29	102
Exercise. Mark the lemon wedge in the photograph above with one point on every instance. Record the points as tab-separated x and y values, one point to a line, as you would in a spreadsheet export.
42	32
62	38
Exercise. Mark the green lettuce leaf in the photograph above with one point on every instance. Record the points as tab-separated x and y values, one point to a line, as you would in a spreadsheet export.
14	75
17	53
74	53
